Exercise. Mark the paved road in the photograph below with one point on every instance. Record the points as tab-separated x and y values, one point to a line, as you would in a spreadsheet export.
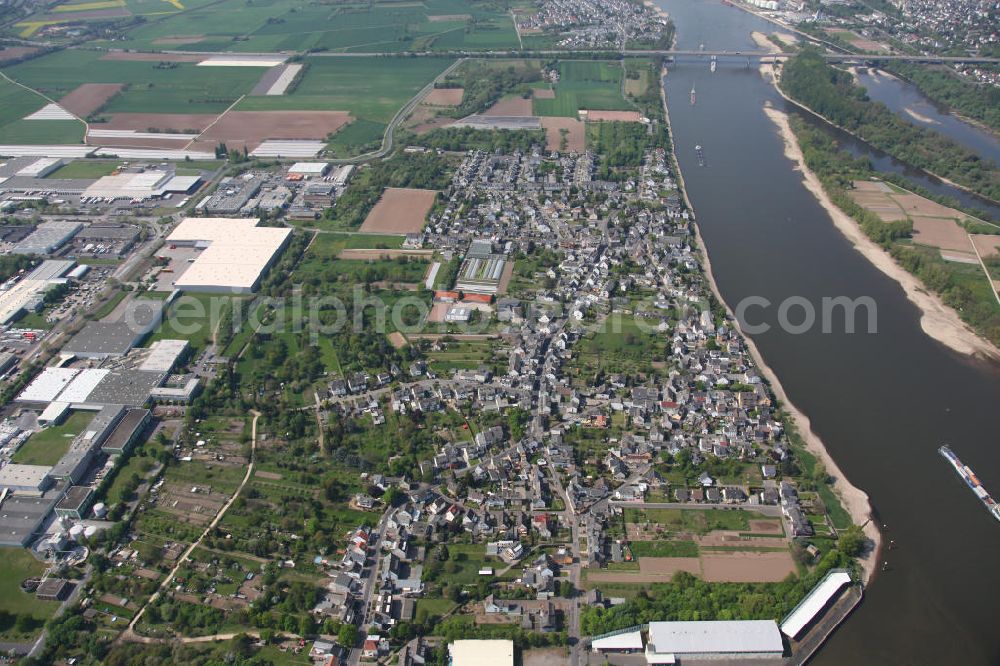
129	634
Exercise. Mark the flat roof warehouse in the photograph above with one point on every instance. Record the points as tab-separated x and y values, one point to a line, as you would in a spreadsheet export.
236	255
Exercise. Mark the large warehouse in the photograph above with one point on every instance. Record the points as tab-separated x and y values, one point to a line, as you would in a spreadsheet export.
670	642
236	253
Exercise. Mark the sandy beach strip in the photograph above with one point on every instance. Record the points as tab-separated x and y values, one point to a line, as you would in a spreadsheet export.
855	500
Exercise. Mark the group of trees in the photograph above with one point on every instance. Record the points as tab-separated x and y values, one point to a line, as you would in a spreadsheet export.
831	92
485	84
623	144
977	101
468	138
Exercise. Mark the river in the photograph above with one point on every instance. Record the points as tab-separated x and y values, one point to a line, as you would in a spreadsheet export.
883	402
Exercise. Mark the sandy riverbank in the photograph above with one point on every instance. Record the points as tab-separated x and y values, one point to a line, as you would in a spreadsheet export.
937	319
854	500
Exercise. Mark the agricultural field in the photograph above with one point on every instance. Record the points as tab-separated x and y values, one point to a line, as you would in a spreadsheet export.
295	25
47	446
181	87
16	103
585	84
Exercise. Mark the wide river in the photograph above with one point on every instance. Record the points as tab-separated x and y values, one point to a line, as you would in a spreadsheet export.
882	402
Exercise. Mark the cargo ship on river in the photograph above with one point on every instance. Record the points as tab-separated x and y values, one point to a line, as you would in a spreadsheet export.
971	480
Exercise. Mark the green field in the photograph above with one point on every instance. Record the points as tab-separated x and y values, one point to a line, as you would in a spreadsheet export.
16	103
184	88
296	25
192	317
86	169
47	446
18	564
372	89
585	85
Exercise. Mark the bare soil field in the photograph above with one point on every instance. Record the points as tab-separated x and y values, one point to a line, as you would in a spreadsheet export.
733	539
879	203
253	127
436	123
445	97
397	340
576	134
766	527
437	313
153	57
915	204
746	567
986	245
371	255
544	657
143	122
89	97
399	211
940	233
620	116
178	40
505	278
9	53
543	93
510	106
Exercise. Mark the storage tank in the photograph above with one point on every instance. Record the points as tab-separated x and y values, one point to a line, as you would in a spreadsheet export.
100	510
90	531
75	532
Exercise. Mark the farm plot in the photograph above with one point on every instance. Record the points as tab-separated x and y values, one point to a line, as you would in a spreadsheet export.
399	210
565	134
444	97
514	105
148	87
89	97
192	505
250	128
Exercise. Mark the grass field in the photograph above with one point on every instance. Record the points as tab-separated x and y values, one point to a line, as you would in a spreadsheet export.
47	446
585	85
86	169
16	103
18	564
184	88
664	548
192	317
282	25
372	89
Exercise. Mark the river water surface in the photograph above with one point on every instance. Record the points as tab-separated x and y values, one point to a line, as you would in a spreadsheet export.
882	403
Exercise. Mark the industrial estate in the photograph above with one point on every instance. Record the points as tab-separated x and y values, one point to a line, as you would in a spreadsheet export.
338	333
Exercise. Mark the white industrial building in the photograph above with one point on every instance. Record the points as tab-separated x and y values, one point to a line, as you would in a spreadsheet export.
29	293
670	642
236	253
815	602
145	185
309	168
28	479
482	653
